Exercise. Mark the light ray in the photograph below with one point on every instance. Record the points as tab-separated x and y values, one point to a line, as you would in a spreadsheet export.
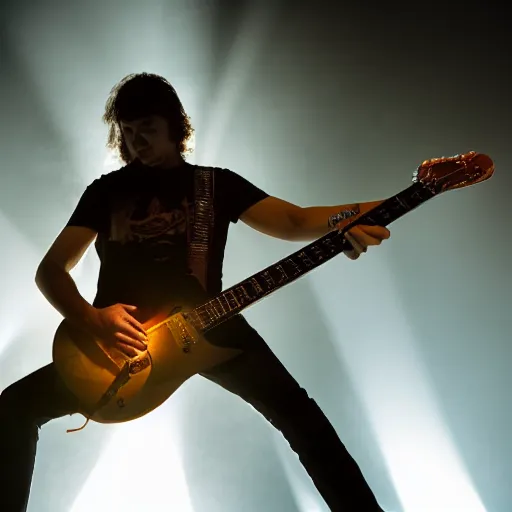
140	469
391	380
244	51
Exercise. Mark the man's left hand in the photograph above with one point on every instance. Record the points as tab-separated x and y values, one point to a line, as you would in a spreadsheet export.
361	237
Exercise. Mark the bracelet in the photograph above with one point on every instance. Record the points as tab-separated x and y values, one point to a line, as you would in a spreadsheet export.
335	219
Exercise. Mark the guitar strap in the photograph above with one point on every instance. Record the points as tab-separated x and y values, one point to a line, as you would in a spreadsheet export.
200	230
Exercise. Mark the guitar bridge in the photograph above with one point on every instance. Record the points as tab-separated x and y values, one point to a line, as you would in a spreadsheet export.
182	332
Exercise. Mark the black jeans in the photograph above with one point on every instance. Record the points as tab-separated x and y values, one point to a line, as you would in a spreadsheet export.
256	376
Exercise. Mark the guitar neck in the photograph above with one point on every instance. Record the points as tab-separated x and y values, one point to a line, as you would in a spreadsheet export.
244	294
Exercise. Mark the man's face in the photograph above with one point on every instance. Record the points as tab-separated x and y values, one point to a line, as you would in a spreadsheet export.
148	139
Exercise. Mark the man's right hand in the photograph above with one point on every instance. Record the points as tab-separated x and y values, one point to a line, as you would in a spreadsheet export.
115	325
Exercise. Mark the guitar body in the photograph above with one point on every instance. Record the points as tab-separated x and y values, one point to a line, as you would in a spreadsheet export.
176	351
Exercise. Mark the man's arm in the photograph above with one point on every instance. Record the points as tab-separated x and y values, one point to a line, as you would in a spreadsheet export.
287	221
53	274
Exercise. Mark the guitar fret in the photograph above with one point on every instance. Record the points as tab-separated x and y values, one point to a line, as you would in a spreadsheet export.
241	294
416	196
223	298
328	245
210	311
231	299
246	295
295	269
256	285
283	276
203	316
195	319
269	281
219	304
318	252
308	262
401	201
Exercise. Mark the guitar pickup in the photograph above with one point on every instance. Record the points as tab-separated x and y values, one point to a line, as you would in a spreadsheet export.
182	332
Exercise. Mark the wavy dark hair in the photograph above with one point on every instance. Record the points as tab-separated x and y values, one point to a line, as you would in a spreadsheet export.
141	95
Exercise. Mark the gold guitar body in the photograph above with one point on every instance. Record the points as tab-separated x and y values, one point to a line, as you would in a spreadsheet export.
94	372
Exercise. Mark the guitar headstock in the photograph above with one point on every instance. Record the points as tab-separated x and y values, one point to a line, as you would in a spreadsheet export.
449	173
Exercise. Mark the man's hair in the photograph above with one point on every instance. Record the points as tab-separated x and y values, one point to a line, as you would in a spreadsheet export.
142	95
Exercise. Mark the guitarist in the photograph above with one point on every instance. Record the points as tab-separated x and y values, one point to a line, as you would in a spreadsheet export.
138	218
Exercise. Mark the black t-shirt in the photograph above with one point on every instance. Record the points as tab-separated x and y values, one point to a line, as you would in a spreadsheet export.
142	216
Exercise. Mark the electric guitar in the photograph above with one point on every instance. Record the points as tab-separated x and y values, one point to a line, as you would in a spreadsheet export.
113	388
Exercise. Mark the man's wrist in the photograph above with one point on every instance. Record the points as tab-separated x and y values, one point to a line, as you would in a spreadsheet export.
85	317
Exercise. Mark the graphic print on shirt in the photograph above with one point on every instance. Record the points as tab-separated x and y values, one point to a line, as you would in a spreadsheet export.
157	227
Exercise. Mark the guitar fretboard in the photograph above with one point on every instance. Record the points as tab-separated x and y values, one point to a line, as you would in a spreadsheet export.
242	295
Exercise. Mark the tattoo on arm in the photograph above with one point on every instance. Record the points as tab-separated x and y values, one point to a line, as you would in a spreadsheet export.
335	219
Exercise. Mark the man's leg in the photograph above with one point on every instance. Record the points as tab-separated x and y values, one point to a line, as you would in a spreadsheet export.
260	379
25	406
